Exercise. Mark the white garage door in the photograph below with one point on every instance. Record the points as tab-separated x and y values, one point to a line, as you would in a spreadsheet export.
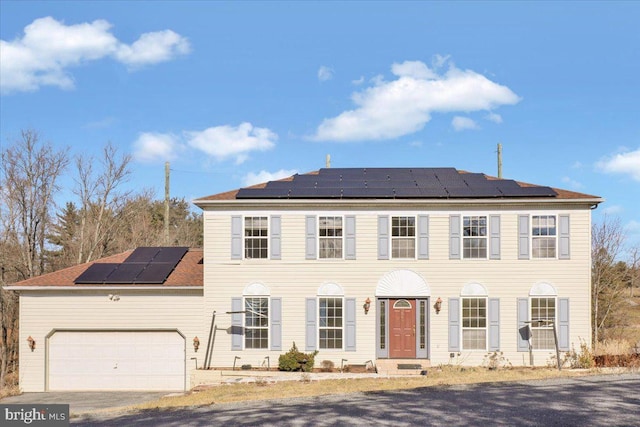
116	361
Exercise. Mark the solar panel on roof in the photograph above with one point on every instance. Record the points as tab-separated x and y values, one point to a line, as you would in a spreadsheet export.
126	272
96	273
170	254
143	254
155	273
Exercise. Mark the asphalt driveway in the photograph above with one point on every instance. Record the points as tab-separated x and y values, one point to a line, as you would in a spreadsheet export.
87	401
602	400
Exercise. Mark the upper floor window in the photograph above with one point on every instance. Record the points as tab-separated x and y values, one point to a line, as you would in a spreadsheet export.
544	234
543	315
474	237
256	322
474	323
330	236
403	237
256	237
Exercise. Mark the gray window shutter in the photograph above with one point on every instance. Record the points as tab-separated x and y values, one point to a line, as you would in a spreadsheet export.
350	237
383	237
310	325
382	347
276	237
563	228
310	234
454	324
524	332
523	236
237	330
350	324
423	236
454	237
276	324
563	324
494	324
494	232
236	237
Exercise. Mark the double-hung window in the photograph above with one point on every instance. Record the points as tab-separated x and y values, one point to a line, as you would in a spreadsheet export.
330	322
474	323
474	237
403	237
256	322
544	232
256	237
330	237
543	316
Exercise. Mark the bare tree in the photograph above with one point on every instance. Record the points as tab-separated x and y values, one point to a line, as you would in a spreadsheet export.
28	183
100	200
608	275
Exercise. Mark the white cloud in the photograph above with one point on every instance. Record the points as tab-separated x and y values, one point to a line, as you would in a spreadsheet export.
151	147
325	73
577	165
390	109
460	123
264	176
48	48
612	210
439	61
152	48
627	162
359	81
224	142
572	183
493	117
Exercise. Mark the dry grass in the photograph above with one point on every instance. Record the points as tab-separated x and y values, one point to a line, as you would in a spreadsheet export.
11	387
287	389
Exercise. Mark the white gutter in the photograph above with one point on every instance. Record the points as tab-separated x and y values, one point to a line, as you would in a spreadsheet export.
238	203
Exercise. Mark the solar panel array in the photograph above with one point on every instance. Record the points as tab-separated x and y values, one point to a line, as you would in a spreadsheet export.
145	265
390	183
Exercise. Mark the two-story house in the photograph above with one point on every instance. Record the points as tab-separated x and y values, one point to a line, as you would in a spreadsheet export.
423	265
381	267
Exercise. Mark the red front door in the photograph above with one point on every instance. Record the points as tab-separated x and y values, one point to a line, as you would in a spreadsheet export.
402	328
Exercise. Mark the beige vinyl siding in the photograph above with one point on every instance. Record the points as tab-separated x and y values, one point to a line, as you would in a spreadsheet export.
293	279
42	312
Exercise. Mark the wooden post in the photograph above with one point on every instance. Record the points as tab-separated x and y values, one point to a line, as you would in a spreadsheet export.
166	203
499	160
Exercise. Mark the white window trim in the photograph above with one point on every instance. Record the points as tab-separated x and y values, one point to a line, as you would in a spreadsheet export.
555	319
415	235
486	322
342	238
486	236
557	217
244	238
244	322
340	297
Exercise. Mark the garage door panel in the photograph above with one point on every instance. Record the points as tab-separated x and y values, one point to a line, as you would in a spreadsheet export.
144	360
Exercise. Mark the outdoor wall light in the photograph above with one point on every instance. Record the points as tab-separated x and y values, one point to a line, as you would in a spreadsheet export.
196	344
32	343
367	305
438	305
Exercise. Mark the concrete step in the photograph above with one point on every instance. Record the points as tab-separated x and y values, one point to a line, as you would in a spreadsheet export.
402	366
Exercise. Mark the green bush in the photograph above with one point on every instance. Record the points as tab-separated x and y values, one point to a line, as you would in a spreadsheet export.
295	360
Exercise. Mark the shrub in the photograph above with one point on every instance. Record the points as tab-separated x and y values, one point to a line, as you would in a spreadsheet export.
327	366
295	360
496	360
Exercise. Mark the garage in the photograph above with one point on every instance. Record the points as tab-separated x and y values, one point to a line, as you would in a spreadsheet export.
116	360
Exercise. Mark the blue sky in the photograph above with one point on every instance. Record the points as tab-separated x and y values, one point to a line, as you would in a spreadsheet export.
232	93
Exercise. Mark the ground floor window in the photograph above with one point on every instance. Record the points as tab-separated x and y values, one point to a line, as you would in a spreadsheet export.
330	323
256	322
543	316
474	323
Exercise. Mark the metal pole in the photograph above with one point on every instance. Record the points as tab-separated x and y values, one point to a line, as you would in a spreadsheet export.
555	337
499	160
